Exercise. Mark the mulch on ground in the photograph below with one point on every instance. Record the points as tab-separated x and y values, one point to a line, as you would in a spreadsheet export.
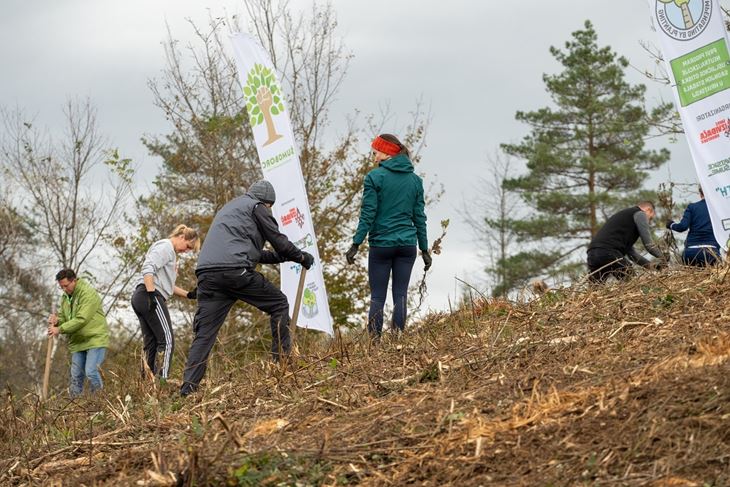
624	384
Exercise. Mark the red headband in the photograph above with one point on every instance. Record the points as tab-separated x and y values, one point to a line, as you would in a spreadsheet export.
382	145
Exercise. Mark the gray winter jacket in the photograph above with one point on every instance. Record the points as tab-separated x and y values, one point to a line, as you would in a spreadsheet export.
237	236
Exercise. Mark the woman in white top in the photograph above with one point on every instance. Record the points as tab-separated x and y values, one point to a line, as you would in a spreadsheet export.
153	287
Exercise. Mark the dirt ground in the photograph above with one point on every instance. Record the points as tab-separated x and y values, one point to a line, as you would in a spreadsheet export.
626	384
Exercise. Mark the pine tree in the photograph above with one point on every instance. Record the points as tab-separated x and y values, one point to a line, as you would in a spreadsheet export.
585	157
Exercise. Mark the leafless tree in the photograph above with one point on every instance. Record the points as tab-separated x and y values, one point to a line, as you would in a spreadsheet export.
211	150
63	204
58	180
488	215
23	296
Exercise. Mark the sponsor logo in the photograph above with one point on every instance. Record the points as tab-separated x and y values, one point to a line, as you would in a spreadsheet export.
721	126
718	167
683	20
724	191
309	301
278	159
293	216
726	224
297	268
305	241
263	100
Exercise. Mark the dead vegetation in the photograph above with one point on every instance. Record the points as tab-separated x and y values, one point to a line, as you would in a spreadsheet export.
627	384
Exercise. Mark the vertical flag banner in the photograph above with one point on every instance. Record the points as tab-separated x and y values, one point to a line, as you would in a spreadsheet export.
694	43
280	164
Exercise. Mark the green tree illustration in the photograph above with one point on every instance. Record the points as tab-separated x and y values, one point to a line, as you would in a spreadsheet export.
686	14
263	99
310	299
309	303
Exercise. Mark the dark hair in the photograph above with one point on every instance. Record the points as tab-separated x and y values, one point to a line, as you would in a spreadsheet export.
702	193
394	140
66	274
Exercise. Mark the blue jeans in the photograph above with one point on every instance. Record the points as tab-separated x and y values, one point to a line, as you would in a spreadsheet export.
381	261
86	365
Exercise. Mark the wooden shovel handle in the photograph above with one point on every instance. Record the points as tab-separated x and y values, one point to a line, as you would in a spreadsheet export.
49	352
297	302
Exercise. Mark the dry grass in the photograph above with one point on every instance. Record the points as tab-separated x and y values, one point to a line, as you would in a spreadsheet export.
627	384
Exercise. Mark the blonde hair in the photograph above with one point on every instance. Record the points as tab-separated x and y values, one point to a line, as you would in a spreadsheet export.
189	234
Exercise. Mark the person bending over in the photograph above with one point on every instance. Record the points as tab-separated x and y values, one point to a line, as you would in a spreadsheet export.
227	273
701	248
611	251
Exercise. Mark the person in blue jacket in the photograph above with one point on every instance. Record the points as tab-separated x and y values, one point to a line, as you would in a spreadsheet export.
392	216
701	248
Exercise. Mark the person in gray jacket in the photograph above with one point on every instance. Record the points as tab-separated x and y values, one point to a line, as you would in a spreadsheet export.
153	287
227	273
611	249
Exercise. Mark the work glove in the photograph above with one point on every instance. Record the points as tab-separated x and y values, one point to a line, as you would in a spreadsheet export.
427	260
307	260
350	255
658	264
193	294
669	224
151	301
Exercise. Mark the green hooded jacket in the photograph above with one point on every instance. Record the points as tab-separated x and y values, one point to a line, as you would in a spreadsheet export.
392	211
82	319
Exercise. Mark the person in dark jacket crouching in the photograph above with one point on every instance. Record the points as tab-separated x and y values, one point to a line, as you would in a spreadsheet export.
226	273
701	248
392	216
612	248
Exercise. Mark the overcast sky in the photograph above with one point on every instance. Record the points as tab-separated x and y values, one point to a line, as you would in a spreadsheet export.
475	63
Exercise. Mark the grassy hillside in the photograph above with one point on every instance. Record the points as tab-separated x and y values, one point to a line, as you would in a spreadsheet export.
627	384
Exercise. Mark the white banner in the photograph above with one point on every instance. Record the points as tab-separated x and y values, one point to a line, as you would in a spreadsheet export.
694	43
280	164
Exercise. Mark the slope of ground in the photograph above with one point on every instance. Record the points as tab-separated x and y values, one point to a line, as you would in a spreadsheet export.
627	384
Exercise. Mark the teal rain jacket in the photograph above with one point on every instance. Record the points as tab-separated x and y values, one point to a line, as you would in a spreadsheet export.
392	211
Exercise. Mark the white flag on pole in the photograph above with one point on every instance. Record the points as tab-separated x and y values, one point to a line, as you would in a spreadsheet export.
279	158
693	38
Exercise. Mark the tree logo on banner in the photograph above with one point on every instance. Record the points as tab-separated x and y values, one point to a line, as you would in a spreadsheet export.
263	100
683	20
309	304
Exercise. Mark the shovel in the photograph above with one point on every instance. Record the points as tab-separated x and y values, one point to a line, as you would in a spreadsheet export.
297	305
49	353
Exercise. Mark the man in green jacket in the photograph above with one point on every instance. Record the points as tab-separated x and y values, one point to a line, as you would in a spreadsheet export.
82	320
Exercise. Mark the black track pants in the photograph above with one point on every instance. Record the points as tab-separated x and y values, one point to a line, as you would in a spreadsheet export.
217	292
156	331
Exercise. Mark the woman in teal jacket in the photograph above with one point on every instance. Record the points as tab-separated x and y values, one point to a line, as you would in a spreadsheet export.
392	216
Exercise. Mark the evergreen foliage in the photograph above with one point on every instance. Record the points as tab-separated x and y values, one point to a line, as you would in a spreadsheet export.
585	157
